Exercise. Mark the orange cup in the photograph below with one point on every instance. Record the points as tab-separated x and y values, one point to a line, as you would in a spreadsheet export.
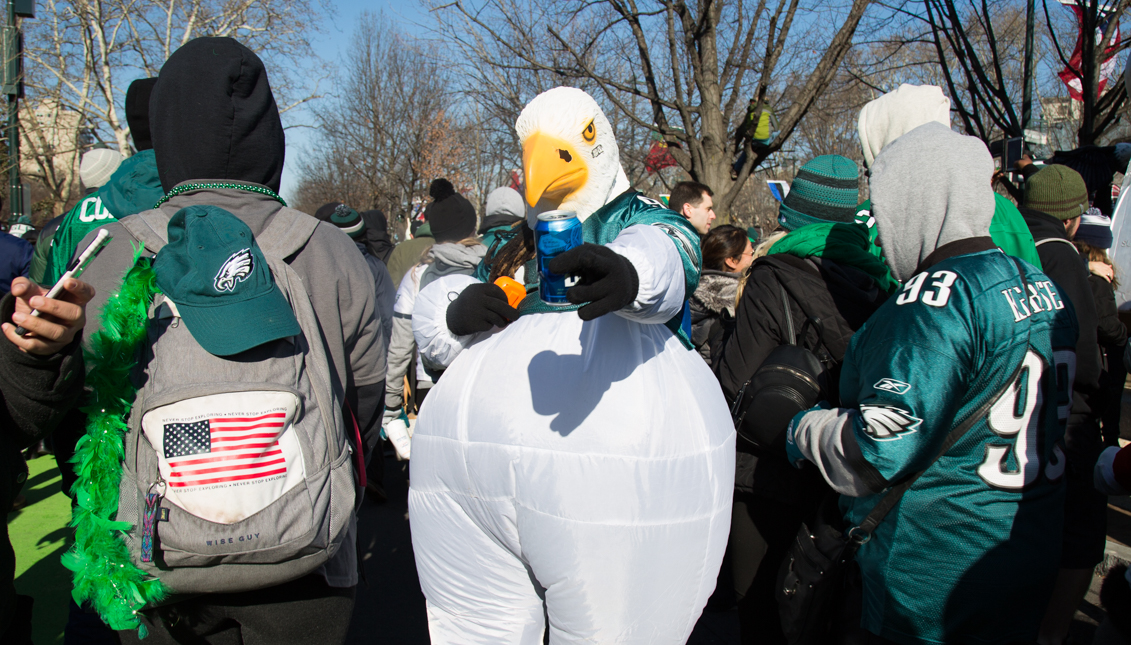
515	291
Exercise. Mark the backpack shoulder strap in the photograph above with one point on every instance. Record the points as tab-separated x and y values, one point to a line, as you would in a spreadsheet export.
791	336
148	227
1057	239
288	232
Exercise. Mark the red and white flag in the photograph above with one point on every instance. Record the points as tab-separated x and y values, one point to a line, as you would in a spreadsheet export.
224	449
1071	74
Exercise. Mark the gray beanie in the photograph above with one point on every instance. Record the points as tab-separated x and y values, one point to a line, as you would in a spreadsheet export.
505	200
98	166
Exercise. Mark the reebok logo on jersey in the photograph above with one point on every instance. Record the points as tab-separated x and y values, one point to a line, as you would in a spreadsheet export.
892	385
887	423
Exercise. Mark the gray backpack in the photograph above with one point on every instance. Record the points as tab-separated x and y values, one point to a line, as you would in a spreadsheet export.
237	473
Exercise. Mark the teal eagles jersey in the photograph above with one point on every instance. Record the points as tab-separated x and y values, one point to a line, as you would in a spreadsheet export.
971	551
630	208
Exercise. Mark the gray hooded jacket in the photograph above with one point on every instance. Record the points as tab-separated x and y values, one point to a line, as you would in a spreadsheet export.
920	207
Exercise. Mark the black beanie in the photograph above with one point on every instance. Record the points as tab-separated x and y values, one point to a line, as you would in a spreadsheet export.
213	116
137	112
326	210
451	216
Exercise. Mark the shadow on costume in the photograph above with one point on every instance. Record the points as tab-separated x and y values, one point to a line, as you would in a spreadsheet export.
553	390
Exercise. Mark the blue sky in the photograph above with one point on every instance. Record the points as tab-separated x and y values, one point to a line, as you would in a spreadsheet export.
331	45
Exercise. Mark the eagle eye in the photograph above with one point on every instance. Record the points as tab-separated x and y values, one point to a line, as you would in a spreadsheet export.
590	133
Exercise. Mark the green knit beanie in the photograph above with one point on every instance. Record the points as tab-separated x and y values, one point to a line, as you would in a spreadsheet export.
825	190
349	221
1057	190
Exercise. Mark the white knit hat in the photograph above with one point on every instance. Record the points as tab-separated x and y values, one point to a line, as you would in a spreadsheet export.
98	166
896	113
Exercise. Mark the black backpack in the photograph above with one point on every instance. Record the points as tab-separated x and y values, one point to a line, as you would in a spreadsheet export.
790	380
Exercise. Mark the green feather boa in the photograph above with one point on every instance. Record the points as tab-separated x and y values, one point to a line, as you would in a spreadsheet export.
100	560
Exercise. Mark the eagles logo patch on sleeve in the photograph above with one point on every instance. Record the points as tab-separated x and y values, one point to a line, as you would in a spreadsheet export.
887	423
235	269
682	240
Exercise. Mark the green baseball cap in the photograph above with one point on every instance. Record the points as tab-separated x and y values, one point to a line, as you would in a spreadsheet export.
214	272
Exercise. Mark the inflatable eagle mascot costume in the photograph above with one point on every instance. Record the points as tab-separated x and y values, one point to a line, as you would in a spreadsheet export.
576	465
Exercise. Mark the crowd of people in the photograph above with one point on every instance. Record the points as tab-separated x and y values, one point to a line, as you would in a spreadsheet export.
920	391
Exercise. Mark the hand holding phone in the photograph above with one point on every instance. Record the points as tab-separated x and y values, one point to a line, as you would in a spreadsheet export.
60	319
74	270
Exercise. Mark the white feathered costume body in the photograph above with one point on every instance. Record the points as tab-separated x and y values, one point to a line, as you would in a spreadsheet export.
577	470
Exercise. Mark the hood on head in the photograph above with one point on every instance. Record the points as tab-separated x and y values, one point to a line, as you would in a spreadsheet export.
377	235
929	188
898	112
456	255
137	112
134	188
213	116
504	208
570	158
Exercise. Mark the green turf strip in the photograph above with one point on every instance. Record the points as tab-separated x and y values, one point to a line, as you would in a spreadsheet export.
37	532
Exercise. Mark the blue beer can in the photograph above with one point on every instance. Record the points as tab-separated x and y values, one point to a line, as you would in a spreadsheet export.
555	233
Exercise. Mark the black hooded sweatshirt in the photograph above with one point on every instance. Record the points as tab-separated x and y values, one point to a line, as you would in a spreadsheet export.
200	123
1067	268
377	235
137	112
224	125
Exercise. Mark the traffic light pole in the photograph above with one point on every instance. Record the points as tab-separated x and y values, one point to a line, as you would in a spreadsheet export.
1027	69
15	208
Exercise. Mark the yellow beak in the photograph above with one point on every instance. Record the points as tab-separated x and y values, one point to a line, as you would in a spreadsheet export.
553	169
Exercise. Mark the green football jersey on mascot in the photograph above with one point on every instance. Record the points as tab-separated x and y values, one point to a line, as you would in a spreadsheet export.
630	208
957	334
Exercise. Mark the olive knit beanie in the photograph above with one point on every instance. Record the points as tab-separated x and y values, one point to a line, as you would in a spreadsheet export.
825	190
1057	190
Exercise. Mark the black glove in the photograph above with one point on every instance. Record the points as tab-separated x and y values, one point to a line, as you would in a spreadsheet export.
608	281
479	308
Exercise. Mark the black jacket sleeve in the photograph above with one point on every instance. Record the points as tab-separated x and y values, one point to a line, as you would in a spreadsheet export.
1111	331
1067	268
37	391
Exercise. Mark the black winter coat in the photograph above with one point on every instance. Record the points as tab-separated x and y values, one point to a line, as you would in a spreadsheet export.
35	393
1112	337
712	312
1063	263
840	296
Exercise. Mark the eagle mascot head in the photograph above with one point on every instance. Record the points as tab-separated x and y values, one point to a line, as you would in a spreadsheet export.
570	158
570	161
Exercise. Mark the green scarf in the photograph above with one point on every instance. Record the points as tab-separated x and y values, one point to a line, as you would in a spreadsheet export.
845	244
103	571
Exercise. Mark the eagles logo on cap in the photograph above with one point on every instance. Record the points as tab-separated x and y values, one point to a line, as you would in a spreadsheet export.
235	269
214	272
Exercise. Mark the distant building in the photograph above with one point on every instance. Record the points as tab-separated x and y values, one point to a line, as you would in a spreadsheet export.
52	140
